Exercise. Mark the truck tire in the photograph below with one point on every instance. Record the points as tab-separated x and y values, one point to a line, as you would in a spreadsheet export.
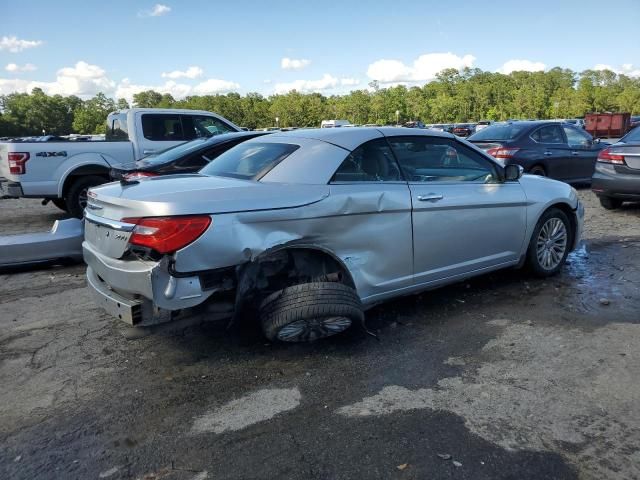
76	196
309	311
610	203
550	243
61	203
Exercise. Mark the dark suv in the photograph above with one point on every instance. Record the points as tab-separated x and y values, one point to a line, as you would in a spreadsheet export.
551	149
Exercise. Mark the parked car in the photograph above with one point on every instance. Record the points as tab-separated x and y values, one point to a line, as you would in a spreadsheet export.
617	175
463	129
634	121
549	149
62	171
188	157
310	228
334	123
483	124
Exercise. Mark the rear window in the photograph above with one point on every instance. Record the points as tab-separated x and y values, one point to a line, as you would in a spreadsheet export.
632	136
507	131
249	161
117	128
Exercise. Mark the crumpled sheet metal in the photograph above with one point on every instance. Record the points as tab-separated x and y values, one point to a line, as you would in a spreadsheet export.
63	241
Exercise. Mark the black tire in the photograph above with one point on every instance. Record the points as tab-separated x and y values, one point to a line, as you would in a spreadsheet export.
61	203
538	170
610	203
314	310
76	194
534	261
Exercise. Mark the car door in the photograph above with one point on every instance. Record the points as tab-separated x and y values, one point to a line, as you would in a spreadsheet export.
160	131
465	219
374	221
583	151
554	153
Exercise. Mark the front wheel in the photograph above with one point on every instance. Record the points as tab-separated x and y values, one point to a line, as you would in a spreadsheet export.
310	311
550	243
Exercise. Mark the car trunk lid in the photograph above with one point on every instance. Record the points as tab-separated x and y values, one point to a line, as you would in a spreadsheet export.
175	195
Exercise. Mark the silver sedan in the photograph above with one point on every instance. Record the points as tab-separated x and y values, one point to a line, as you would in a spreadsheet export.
305	230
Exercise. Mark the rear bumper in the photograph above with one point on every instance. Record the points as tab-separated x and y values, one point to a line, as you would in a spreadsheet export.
139	292
616	185
10	189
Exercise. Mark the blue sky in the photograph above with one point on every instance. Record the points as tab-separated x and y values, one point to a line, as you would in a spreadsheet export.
120	47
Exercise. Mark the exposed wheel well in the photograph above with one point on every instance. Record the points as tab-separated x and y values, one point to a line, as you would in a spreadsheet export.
98	170
284	267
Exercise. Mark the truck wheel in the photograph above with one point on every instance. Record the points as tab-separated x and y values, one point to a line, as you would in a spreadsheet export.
610	203
61	203
538	170
550	243
310	311
76	197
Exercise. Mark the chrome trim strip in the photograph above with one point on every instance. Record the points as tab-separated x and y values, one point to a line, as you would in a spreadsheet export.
106	222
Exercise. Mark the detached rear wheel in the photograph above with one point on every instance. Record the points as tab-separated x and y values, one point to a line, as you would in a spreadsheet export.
310	311
550	243
76	196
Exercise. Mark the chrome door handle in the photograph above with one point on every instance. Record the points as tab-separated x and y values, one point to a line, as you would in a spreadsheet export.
548	153
147	152
431	197
575	153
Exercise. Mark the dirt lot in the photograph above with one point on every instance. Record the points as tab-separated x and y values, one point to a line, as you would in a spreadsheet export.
504	376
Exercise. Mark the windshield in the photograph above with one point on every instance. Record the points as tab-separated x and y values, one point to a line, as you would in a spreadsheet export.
249	161
506	131
173	153
632	136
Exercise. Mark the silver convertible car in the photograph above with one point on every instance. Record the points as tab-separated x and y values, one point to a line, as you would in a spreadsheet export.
304	230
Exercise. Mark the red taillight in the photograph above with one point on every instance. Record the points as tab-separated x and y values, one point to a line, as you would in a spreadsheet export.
167	234
605	156
500	152
138	175
17	162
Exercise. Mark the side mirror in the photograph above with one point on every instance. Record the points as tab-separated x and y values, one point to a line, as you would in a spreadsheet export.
596	140
513	172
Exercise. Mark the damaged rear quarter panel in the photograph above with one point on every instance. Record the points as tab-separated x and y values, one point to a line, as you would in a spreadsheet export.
367	226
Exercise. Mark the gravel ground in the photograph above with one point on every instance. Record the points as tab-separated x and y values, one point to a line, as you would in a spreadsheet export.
504	376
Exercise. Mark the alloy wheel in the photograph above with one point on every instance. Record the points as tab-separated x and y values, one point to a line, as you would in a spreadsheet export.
552	243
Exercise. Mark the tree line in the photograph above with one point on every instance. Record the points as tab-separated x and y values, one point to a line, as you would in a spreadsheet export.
454	96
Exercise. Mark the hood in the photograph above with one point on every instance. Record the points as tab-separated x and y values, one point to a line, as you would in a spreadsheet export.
197	194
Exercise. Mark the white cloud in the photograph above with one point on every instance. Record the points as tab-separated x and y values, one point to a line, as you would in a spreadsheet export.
306	86
15	68
191	72
626	69
294	64
82	79
213	86
157	11
423	69
349	82
14	45
521	65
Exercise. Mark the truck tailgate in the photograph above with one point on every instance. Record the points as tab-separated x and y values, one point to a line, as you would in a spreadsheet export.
4	161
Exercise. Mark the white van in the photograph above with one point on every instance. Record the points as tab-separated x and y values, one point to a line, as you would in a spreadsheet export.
334	123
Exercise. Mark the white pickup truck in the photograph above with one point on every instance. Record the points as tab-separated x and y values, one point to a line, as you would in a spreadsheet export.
63	171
